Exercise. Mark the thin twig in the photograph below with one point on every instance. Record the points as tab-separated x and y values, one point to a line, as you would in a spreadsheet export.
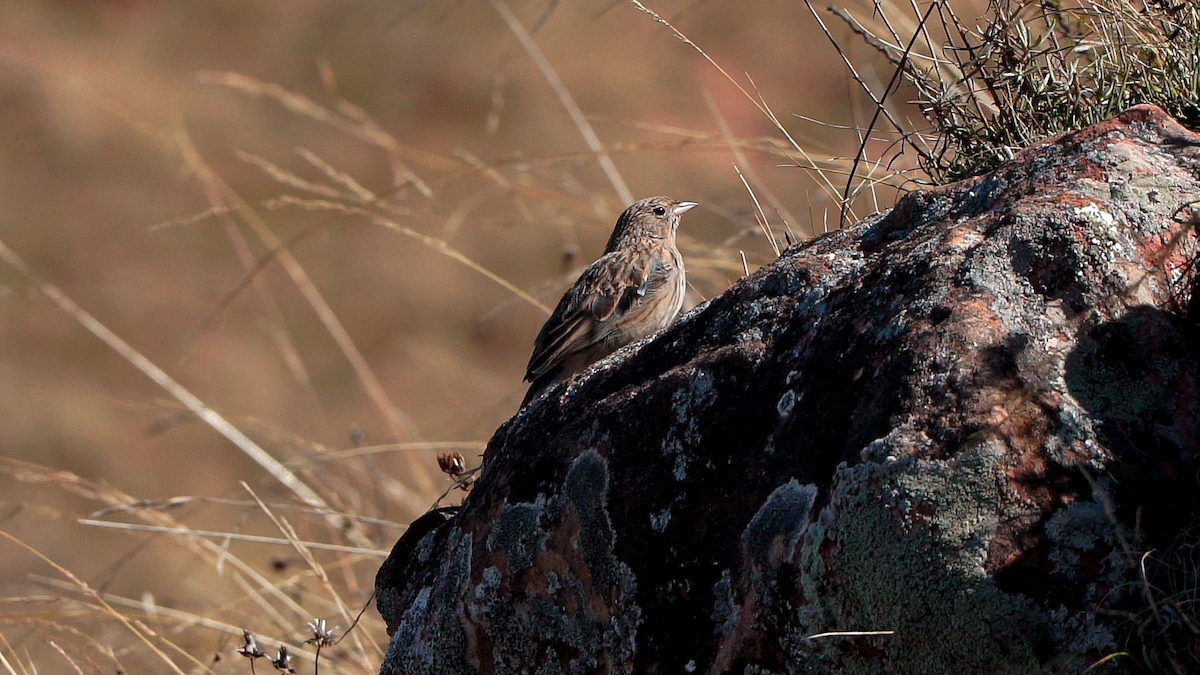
879	102
740	158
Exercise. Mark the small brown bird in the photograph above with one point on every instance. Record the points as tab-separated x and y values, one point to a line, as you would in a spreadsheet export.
634	290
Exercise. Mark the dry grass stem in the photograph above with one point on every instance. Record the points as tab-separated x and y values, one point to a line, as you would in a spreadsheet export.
71	661
184	620
564	97
359	127
212	552
300	547
499	179
186	221
432	242
363	194
759	103
849	633
285	177
340	455
276	327
180	501
230	536
108	609
746	168
758	214
400	423
4	661
156	374
450	252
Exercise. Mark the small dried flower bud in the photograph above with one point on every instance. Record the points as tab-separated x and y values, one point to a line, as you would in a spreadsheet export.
322	636
283	662
452	464
249	648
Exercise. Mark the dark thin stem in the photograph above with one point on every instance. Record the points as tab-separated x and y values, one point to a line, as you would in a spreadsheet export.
879	108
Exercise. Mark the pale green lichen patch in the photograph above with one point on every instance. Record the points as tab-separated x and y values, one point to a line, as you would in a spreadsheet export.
902	548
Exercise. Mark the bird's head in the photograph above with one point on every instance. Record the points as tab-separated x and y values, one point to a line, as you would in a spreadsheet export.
652	218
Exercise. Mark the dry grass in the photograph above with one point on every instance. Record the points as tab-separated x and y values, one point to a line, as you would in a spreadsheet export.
1020	72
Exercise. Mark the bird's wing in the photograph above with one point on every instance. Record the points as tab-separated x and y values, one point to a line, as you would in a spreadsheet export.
603	293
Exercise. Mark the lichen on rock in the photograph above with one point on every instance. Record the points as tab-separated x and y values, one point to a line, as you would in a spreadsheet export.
941	422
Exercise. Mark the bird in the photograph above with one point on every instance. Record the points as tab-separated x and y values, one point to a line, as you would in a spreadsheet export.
634	290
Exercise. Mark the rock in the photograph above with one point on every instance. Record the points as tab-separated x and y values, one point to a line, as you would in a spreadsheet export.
941	422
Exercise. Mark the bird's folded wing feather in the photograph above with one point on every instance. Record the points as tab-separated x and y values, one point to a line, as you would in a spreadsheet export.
586	312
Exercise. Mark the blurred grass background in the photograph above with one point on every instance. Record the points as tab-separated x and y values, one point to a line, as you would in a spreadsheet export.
114	112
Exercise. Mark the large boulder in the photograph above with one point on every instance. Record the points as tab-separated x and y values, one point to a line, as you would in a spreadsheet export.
962	421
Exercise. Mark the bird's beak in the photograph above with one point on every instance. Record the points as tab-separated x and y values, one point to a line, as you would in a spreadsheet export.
683	207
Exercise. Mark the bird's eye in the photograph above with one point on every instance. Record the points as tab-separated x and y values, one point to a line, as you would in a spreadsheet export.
660	211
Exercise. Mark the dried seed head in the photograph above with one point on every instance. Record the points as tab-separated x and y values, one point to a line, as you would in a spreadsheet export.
452	464
322	637
283	662
249	648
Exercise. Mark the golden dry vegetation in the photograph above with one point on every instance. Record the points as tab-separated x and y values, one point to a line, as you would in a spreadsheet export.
228	186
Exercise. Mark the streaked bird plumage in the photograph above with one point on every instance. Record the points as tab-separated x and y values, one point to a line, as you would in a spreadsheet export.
632	291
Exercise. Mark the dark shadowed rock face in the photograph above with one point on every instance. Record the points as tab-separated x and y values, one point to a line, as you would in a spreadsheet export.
938	422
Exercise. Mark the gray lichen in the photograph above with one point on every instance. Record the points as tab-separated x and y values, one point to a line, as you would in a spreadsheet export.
584	608
959	360
772	534
428	640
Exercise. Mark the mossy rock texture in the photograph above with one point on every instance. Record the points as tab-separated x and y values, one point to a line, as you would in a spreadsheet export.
940	423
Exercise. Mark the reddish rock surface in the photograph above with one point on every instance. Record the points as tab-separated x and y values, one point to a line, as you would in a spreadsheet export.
962	421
